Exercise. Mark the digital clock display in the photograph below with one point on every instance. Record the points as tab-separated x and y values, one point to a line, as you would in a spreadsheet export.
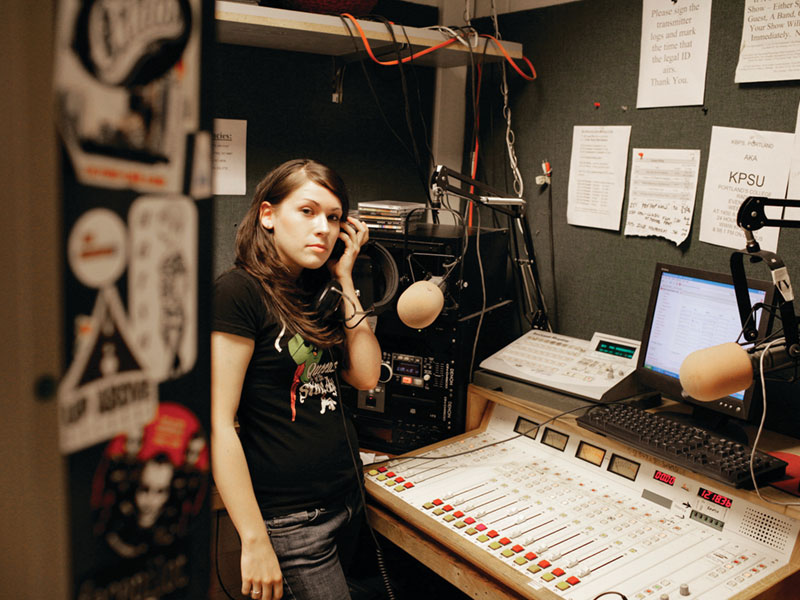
664	477
714	497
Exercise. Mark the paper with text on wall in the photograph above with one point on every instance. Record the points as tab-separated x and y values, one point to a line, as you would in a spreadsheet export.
674	53
229	157
662	193
742	163
793	189
597	175
770	46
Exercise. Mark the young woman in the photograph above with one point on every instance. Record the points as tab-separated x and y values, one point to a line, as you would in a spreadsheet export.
289	478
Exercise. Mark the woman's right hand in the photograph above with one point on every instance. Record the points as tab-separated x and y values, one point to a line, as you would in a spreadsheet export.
261	573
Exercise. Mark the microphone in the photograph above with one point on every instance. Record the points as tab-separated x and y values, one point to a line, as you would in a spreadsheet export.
420	304
718	371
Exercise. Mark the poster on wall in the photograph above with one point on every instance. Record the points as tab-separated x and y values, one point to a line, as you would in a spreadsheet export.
133	403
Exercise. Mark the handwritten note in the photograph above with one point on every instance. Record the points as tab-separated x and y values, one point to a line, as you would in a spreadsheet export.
673	53
662	193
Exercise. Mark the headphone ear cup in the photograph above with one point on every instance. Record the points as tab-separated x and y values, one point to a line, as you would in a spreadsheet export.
328	299
384	260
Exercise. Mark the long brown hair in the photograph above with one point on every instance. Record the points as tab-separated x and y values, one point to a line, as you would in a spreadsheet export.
291	300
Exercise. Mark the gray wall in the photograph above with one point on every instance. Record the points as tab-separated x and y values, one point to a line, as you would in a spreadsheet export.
587	52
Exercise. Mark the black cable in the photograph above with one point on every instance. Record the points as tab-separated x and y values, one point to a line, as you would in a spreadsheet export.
377	99
421	171
483	296
382	570
216	561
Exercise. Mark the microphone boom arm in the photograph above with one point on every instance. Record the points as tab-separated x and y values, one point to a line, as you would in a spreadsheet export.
751	217
514	208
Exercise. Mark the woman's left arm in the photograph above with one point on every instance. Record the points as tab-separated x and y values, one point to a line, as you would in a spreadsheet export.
363	350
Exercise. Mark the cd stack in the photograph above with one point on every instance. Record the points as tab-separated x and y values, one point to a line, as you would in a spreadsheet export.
390	214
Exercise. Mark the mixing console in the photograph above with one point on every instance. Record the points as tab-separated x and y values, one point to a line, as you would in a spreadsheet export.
575	515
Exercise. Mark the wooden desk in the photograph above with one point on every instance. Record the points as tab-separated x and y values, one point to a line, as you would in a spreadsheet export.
446	553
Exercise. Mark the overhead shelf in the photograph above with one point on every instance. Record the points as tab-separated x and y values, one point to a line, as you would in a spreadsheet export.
252	25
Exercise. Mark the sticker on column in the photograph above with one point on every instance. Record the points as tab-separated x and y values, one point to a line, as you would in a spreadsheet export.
162	283
126	84
106	389
151	483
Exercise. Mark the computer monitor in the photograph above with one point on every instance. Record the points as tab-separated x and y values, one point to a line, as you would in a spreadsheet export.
690	309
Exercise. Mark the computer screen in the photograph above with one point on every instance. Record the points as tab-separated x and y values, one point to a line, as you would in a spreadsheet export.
690	309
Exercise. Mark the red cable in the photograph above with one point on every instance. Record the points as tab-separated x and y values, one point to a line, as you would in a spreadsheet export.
474	167
530	77
389	63
394	62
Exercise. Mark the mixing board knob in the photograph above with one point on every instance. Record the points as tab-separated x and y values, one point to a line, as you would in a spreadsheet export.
684	590
663	597
541	549
573	563
584	572
555	556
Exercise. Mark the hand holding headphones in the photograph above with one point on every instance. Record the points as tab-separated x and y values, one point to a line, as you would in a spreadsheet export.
353	234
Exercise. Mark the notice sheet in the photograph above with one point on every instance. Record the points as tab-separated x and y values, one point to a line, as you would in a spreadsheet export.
742	163
674	53
597	175
770	47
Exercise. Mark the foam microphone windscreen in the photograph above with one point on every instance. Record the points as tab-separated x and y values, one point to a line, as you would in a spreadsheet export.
420	304
716	372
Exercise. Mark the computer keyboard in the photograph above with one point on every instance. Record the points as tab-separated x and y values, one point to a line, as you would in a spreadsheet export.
687	446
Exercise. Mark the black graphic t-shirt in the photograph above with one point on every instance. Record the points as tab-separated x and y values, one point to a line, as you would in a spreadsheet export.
290	414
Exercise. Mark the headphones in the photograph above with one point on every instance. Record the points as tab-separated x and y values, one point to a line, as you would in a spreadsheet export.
330	296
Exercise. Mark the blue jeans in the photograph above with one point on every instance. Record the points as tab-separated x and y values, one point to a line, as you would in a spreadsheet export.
312	546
